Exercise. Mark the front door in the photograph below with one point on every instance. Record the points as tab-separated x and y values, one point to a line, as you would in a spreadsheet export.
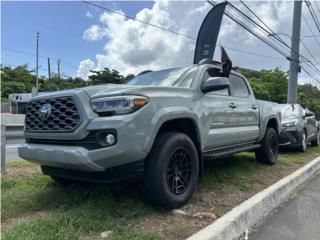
221	111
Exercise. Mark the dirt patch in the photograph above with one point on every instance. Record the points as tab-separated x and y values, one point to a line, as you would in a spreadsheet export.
11	221
169	225
17	172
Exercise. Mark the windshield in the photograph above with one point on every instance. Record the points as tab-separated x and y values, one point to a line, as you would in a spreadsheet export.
162	78
289	111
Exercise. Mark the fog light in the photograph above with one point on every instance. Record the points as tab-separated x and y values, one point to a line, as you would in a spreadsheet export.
110	139
106	138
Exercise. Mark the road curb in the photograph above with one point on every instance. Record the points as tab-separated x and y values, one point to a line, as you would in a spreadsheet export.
233	224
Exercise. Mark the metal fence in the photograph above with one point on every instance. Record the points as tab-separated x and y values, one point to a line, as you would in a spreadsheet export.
11	128
9	108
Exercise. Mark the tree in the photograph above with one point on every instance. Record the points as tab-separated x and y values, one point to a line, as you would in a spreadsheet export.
21	80
272	85
106	76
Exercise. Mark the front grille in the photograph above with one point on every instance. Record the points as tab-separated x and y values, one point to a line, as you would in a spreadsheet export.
64	116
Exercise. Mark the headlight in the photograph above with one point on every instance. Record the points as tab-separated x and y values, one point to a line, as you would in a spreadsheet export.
118	105
290	123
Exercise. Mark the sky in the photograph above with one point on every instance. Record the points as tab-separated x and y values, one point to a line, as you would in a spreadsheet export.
87	38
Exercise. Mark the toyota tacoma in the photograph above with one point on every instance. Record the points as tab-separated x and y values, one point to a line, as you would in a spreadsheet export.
157	128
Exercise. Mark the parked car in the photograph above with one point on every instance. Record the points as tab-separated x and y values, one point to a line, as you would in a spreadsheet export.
157	127
299	127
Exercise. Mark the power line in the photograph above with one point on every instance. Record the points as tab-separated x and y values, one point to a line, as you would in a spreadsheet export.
312	13
246	27
138	20
309	27
31	54
308	66
307	63
318	8
252	53
22	52
273	33
307	49
270	32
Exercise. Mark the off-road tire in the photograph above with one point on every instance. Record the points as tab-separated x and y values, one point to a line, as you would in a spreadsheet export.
316	142
268	152
303	142
173	154
62	182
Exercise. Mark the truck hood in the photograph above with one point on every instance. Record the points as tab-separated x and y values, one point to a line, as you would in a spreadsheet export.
108	90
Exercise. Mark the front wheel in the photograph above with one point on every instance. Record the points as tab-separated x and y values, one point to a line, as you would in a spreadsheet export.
303	142
316	142
172	170
268	152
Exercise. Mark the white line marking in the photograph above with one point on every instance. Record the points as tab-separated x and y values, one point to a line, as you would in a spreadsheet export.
13	146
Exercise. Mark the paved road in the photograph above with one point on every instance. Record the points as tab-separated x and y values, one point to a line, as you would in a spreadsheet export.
297	219
12	149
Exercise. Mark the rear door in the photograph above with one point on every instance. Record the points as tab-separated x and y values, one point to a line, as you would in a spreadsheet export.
248	111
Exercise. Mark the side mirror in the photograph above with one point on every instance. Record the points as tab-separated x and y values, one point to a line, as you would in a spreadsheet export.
308	114
215	84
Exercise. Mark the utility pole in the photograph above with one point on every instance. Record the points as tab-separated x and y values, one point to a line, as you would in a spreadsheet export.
59	73
49	74
36	88
294	58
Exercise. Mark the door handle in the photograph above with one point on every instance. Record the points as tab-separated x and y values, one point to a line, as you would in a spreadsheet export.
232	105
254	107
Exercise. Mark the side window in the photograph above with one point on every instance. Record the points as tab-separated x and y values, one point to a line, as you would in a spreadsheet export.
214	72
187	82
238	86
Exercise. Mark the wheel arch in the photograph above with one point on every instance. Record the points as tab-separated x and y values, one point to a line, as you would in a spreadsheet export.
184	124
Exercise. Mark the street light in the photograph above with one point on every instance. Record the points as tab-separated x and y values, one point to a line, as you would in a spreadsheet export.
287	35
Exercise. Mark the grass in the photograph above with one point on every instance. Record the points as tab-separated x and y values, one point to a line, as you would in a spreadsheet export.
236	171
82	211
74	211
19	164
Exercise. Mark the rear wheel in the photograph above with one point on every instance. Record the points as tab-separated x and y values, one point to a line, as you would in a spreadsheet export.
303	142
172	170
316	142
268	152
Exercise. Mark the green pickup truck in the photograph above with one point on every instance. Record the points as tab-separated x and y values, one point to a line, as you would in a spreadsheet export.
157	128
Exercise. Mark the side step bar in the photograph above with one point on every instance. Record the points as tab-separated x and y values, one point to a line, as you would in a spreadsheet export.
230	150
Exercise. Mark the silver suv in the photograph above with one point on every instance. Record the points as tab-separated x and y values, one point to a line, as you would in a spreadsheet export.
299	127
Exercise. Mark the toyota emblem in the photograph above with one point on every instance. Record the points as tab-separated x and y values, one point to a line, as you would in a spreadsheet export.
45	111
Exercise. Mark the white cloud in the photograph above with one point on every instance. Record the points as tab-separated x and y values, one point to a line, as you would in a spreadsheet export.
132	46
89	14
84	68
93	33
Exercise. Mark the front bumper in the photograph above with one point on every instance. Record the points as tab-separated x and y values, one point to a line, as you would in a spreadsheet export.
78	158
290	137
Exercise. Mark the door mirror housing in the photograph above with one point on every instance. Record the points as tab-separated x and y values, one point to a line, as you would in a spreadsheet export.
308	114
215	84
